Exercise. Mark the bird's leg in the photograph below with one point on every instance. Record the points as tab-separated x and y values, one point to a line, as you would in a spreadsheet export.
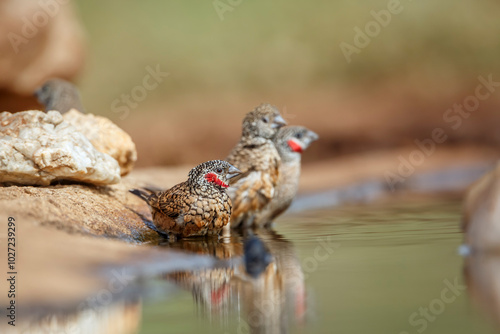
269	225
172	237
248	222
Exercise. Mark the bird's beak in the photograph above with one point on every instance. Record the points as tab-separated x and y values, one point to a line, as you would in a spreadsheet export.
313	135
278	122
232	172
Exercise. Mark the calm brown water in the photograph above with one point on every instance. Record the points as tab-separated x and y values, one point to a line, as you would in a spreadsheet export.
377	268
366	269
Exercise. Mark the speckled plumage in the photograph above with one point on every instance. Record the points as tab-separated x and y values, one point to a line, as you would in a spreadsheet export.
289	170
256	156
197	207
60	95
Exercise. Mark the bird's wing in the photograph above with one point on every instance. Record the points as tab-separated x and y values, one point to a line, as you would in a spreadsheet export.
240	158
251	193
256	186
172	201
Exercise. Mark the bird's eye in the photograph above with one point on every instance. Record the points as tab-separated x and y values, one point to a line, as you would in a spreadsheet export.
298	135
219	170
265	119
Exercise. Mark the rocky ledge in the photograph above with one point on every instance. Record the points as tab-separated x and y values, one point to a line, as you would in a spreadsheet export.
109	211
59	267
38	148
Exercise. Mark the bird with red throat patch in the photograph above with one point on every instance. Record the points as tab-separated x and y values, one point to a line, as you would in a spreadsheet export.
291	142
258	159
199	206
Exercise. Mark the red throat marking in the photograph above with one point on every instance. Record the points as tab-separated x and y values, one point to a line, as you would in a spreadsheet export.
212	178
294	146
218	296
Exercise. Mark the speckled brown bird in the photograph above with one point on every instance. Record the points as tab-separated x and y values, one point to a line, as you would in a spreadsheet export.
60	95
197	207
256	156
290	142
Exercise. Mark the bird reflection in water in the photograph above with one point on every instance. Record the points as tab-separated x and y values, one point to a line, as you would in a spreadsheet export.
260	279
482	276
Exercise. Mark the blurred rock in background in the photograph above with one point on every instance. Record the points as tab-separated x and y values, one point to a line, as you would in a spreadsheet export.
39	39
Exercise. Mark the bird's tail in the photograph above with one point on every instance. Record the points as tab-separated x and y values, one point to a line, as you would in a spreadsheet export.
144	195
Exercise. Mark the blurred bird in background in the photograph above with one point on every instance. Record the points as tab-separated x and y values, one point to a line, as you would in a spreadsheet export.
60	95
290	142
258	159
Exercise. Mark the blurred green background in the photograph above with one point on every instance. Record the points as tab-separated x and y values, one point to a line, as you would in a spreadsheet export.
288	53
277	46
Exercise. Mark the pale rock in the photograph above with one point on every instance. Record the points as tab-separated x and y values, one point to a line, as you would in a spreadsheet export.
37	148
106	137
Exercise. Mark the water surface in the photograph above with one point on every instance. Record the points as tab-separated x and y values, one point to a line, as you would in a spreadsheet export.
378	268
